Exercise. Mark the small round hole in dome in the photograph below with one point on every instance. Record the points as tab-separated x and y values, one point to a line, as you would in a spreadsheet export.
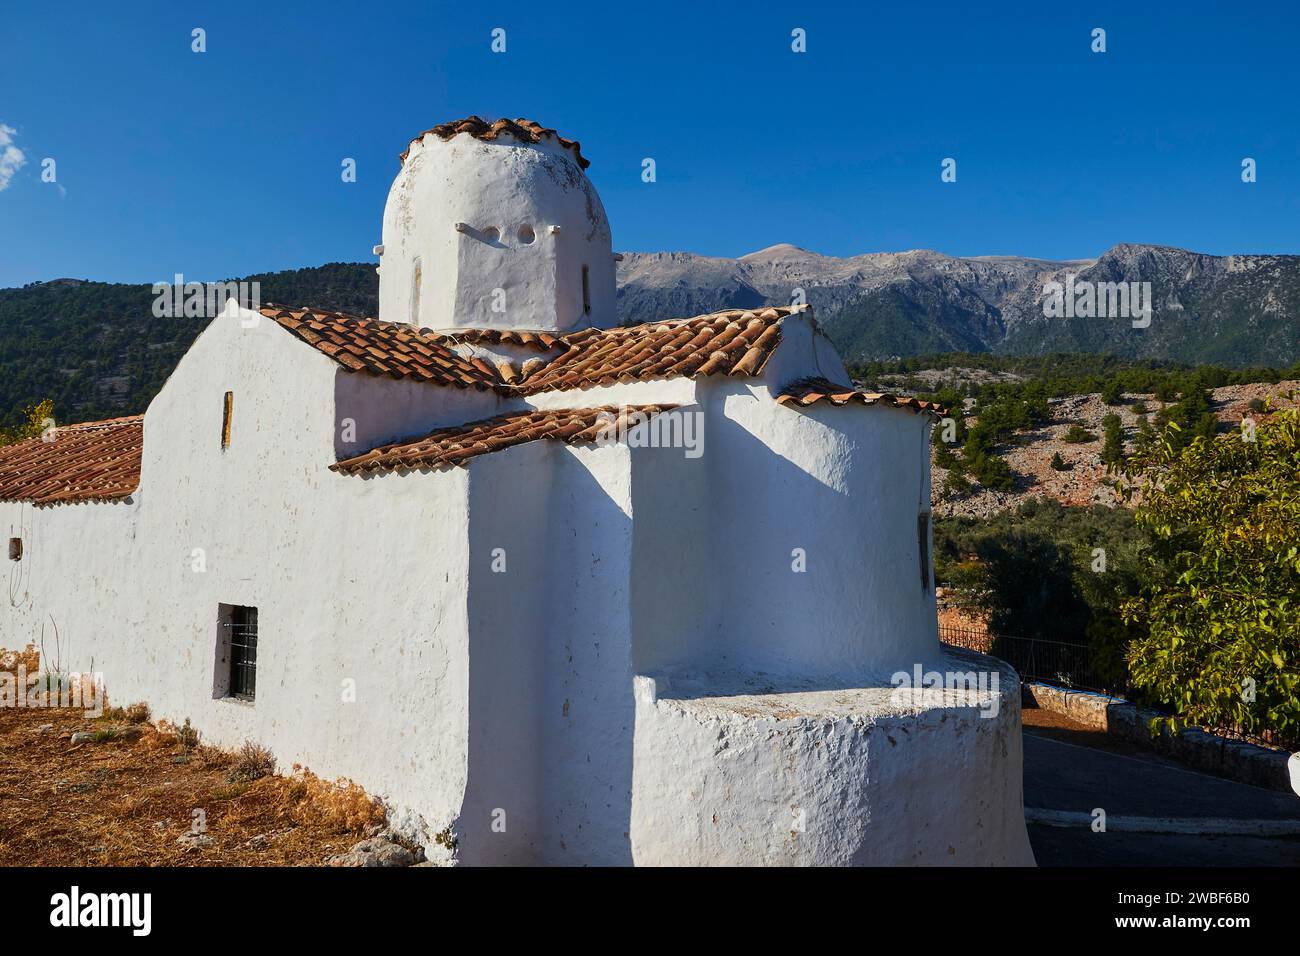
526	234
491	234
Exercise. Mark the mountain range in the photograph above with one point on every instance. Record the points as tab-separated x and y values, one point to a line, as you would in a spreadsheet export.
1226	310
96	349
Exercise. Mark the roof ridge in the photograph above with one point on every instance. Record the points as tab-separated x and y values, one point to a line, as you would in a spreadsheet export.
524	130
811	389
735	342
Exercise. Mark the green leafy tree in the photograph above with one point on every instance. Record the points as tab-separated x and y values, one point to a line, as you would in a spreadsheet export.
1112	451
1221	605
32	421
1112	393
1145	439
1025	582
1052	570
991	471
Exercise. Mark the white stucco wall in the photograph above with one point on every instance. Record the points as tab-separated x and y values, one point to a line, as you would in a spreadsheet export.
829	776
502	702
354	579
550	763
835	491
506	186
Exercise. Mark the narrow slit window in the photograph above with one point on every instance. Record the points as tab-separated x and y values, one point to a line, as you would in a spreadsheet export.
586	291
923	547
417	279
227	407
15	549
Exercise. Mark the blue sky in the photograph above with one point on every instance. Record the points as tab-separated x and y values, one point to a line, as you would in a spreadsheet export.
227	162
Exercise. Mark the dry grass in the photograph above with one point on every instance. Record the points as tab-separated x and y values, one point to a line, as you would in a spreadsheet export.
126	800
252	762
28	658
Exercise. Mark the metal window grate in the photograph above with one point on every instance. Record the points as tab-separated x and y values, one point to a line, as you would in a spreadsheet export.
243	652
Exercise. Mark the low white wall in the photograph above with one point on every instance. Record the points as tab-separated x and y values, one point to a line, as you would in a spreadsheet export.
842	777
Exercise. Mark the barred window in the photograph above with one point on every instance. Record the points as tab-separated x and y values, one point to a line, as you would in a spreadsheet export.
236	667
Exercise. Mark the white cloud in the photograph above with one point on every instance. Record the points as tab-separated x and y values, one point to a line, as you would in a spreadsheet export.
11	157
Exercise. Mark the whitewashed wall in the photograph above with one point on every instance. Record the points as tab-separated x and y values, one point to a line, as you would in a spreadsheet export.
504	186
480	691
833	777
550	765
354	579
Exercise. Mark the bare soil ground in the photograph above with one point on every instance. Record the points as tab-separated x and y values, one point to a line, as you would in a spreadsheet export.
127	800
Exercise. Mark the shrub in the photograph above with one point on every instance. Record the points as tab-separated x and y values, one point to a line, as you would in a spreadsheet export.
252	762
1058	463
1076	434
992	472
1112	393
1112	452
945	458
956	485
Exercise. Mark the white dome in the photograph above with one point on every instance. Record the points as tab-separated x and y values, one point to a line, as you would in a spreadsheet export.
495	226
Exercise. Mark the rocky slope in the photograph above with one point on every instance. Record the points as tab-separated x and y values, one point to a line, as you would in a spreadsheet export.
1085	480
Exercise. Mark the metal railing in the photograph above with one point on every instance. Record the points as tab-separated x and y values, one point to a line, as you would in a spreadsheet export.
1055	662
1070	665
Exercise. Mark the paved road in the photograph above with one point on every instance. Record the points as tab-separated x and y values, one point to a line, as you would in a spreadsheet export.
1062	776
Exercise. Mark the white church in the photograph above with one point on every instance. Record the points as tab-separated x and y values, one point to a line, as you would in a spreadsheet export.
564	592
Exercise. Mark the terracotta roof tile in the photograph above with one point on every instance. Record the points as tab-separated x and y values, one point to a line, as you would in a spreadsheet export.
453	446
810	391
524	130
90	461
541	341
734	342
383	348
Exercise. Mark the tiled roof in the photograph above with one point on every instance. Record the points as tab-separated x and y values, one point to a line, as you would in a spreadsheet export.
454	446
810	391
91	461
384	348
541	341
735	342
524	130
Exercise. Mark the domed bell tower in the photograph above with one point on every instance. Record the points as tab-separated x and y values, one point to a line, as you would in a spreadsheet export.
495	226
